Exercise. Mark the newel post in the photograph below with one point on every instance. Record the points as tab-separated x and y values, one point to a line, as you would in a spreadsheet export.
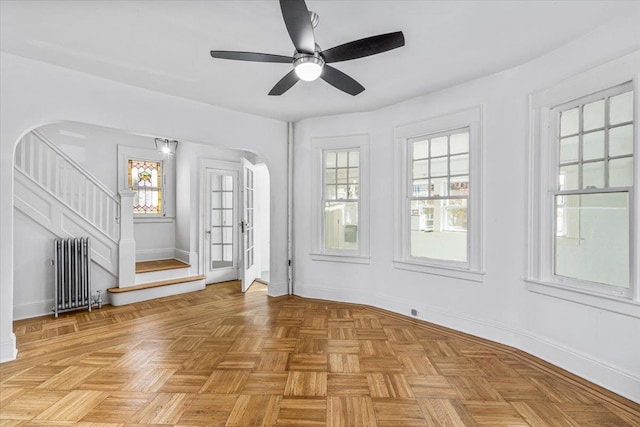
127	244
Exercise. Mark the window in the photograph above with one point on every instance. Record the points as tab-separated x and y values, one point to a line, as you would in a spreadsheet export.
145	179
151	176
594	170
439	196
583	227
340	206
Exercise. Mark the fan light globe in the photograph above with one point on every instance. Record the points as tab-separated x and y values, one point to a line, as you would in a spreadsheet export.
308	68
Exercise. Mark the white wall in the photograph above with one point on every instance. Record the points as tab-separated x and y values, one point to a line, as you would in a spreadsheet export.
33	94
262	218
596	344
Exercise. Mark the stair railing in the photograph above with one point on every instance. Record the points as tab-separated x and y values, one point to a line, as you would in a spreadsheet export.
49	167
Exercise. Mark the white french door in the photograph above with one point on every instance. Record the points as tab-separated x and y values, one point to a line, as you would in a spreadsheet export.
221	225
249	271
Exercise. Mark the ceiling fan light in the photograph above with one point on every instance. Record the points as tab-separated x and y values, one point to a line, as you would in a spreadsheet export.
308	68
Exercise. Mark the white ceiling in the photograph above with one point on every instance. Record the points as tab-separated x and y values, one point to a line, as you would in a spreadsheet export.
164	45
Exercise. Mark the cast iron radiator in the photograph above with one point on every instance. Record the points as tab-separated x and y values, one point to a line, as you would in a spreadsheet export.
72	276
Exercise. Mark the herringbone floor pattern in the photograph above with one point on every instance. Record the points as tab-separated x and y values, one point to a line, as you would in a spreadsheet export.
222	358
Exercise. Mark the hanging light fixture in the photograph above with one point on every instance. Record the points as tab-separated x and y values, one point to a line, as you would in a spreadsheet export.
166	146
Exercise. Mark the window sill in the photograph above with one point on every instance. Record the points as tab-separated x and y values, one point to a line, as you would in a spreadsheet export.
150	219
353	259
610	303
439	270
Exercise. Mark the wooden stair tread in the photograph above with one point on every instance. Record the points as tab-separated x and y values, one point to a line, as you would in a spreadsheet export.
157	284
159	265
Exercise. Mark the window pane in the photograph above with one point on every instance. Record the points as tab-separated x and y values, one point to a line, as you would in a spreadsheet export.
330	192
341	225
439	229
593	175
342	176
439	146
569	149
354	175
342	159
459	186
439	166
569	122
621	172
354	159
459	165
353	191
593	115
330	176
459	143
342	191
568	178
331	160
421	188
593	145
621	108
439	187
621	141
421	150
420	169
595	246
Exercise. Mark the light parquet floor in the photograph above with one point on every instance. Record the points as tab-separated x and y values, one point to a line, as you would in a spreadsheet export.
222	358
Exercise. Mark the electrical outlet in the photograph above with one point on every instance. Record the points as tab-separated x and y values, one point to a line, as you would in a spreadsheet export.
414	312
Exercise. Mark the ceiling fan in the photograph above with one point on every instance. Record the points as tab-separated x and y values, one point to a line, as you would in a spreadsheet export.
309	61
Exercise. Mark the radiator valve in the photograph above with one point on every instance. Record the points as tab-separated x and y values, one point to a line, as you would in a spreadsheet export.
98	299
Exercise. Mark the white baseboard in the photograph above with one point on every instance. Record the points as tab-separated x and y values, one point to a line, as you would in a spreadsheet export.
154	254
601	373
32	309
182	255
277	289
8	349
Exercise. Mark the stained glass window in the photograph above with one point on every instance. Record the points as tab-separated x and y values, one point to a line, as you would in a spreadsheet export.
145	179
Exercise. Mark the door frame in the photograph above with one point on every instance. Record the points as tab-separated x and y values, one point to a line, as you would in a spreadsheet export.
203	171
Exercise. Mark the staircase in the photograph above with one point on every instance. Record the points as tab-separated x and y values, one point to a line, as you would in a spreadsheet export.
155	279
56	192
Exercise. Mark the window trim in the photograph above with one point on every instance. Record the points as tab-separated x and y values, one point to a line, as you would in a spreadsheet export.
542	144
473	269
319	145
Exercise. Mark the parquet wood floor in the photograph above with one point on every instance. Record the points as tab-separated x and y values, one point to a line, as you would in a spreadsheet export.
222	358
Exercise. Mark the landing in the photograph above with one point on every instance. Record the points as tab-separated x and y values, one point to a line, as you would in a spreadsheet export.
159	265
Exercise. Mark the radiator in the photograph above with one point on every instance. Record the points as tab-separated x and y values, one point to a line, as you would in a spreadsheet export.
72	276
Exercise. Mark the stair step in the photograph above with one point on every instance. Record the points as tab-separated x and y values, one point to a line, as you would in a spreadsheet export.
156	284
159	265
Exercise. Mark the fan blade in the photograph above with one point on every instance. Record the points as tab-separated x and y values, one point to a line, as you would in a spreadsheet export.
364	47
340	80
251	56
298	23
285	83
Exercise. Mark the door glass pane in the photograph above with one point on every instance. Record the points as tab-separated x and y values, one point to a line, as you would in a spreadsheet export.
341	225
594	244
439	229
227	217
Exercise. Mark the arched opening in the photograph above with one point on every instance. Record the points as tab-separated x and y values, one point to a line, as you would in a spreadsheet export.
57	170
